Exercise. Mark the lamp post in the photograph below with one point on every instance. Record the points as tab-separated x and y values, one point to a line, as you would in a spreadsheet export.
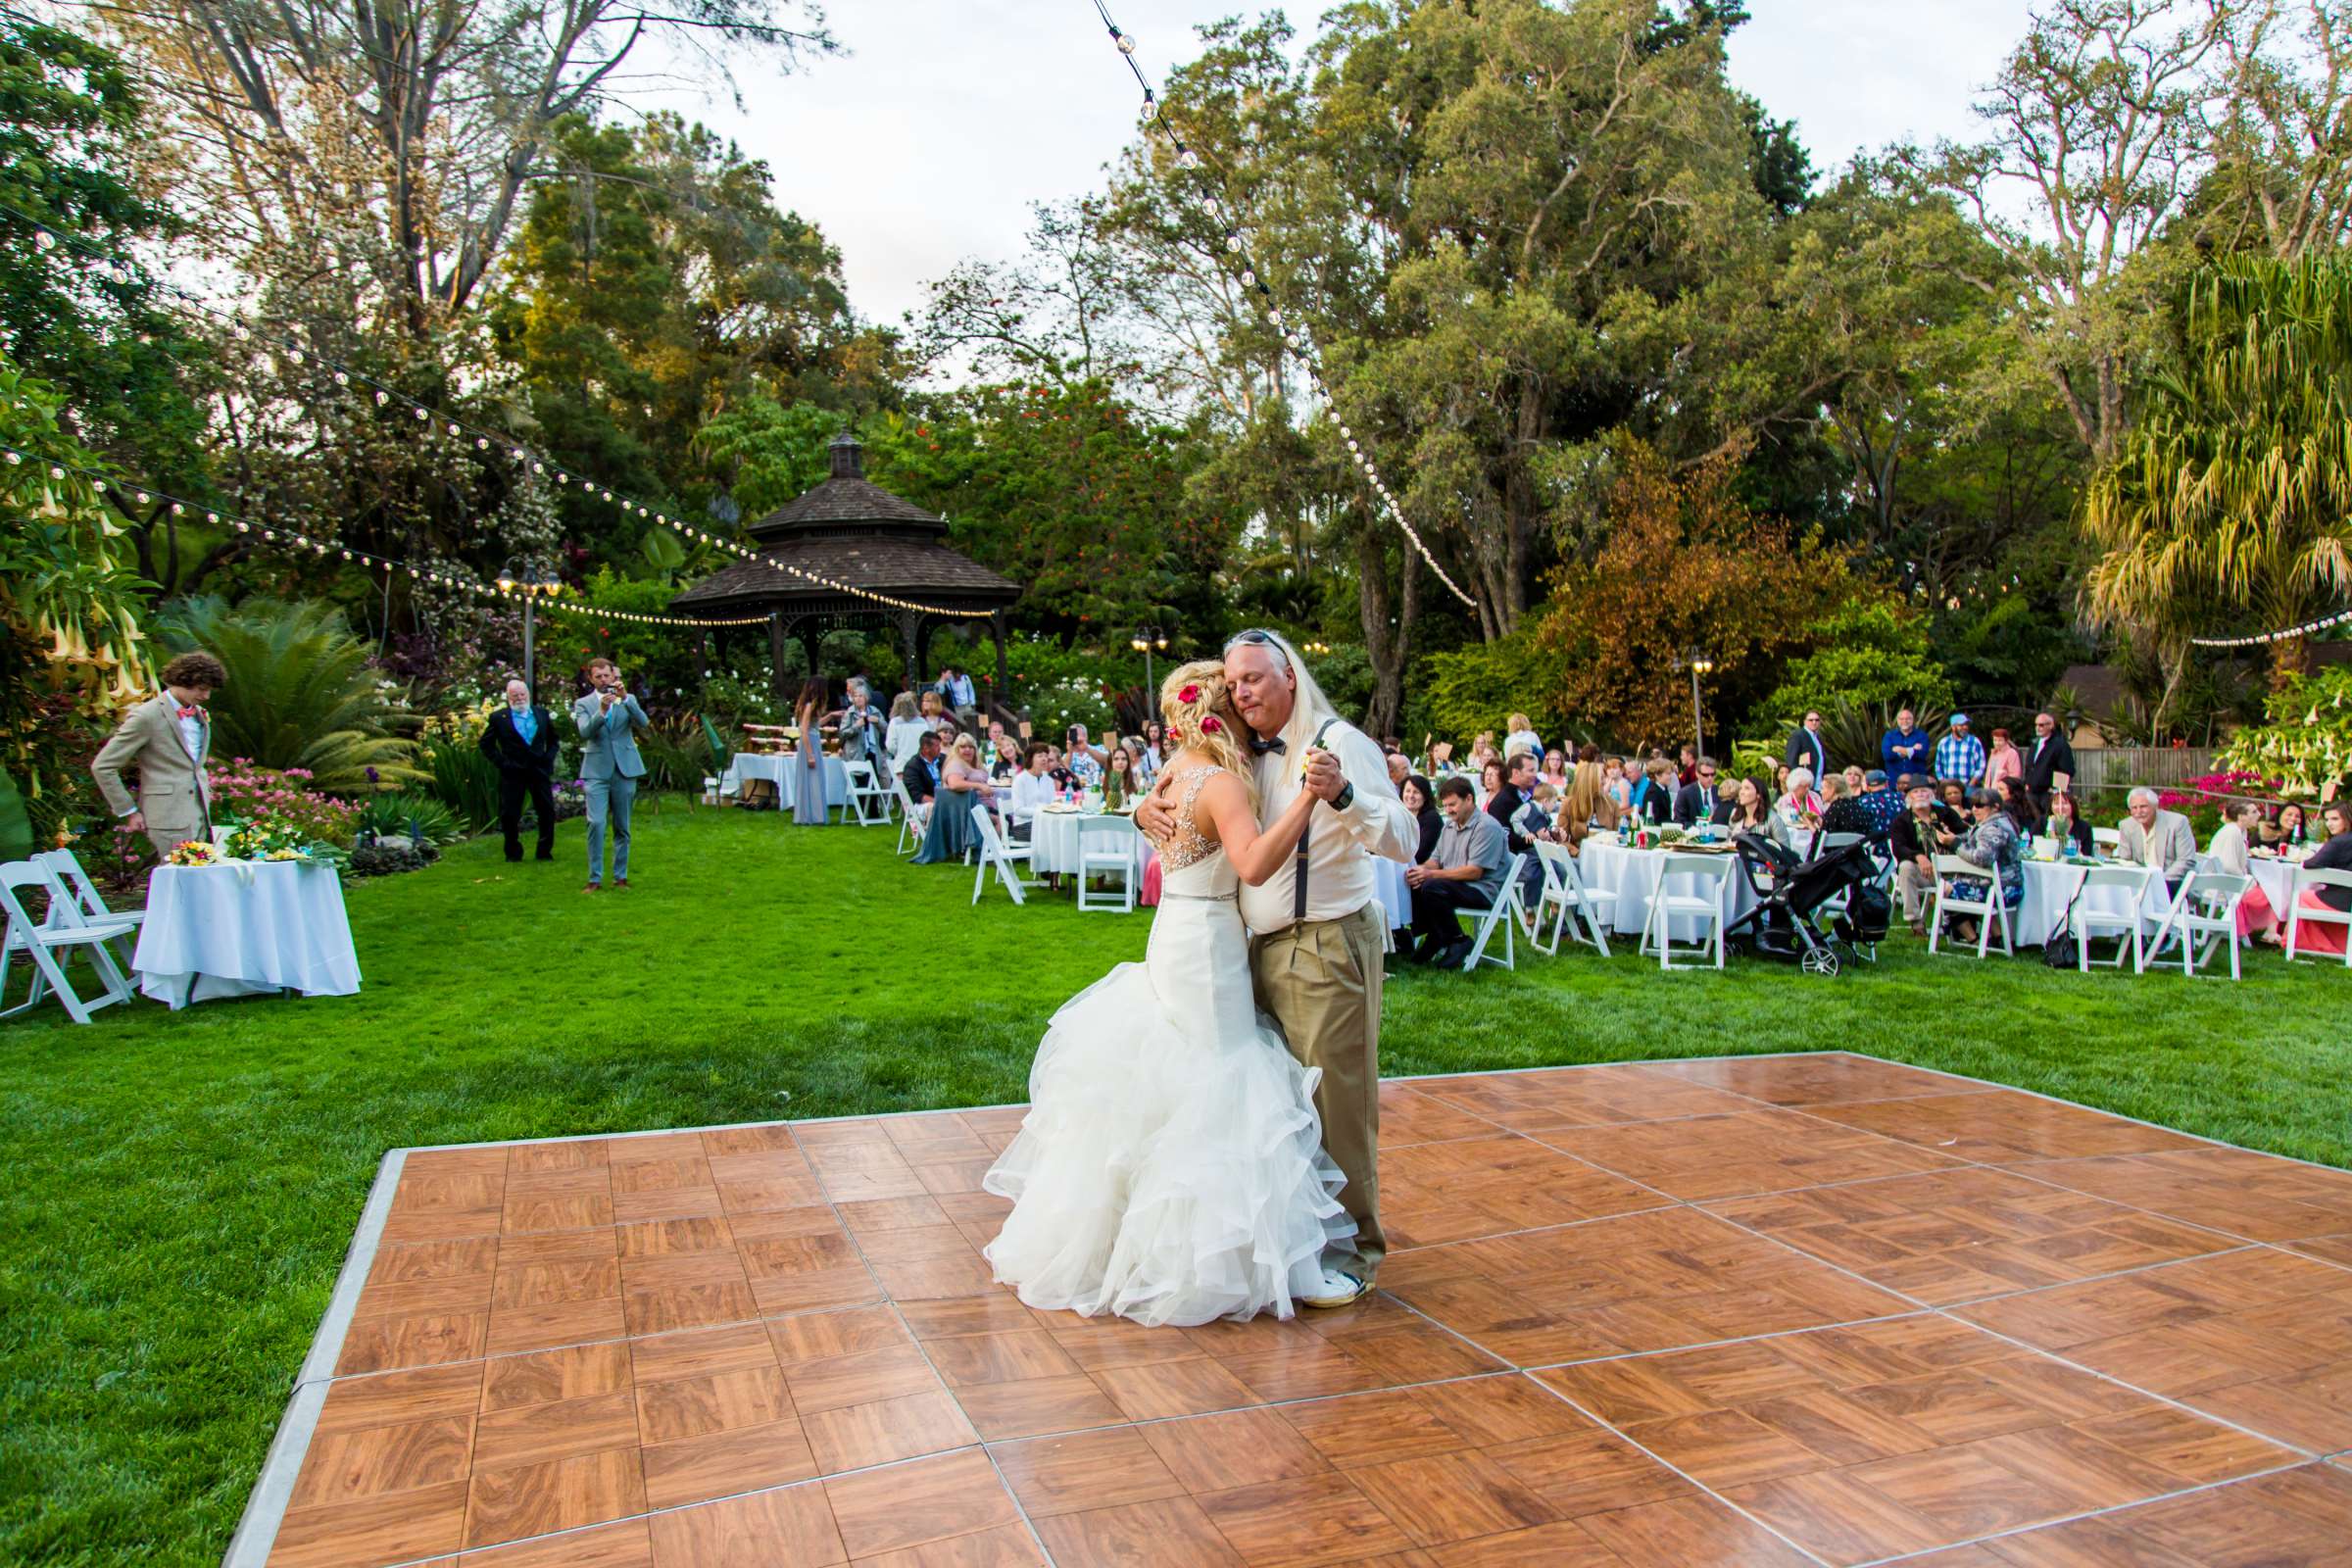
1698	663
1147	642
534	580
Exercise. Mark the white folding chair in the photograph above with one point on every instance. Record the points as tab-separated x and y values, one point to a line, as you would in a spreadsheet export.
869	802
2106	840
998	855
1106	849
2206	906
1566	899
1501	913
913	818
2297	916
47	943
1988	910
2129	928
65	868
1710	906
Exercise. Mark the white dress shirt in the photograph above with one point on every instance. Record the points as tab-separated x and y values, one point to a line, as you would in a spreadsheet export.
1340	843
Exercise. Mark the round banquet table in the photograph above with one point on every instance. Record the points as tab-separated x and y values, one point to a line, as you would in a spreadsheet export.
1395	896
783	770
1606	865
2050	886
245	928
2277	880
1053	841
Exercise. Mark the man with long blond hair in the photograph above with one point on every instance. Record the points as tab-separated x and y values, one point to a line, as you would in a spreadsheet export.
1316	923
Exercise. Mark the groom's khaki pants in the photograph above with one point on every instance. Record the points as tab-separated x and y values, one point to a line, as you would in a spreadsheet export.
1320	979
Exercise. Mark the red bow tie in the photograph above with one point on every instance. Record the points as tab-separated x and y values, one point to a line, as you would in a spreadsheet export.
191	712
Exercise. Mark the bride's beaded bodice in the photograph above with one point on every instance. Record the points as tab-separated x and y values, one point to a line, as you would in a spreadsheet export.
1186	845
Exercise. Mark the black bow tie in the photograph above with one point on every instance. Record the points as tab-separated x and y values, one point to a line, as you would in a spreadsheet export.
1262	747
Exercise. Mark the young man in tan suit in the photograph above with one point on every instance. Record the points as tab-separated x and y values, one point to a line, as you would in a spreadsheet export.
166	740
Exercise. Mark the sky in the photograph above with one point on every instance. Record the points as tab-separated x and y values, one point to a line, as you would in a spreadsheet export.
928	139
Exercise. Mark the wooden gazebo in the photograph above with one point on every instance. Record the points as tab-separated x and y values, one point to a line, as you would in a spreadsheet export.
852	531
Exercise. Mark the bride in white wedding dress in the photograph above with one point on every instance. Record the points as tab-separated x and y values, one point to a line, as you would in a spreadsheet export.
1170	1168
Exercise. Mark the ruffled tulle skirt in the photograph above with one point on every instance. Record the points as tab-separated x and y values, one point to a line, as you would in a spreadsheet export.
1162	1177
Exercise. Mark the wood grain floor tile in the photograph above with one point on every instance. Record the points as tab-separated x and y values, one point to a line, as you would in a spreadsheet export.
1309	1519
1837	1518
1589	1472
1006	1358
1037	1405
1085	1470
687	1306
719	1463
625	1544
411	1261
781	1529
509	1504
544	1377
372	1530
666	1237
693	1407
860	1378
1690	1531
579	1154
1158	1388
999	1546
699	1352
908	1506
1558	1545
427	1339
344	1466
538	1433
1373	1429
998	1312
1242	1449
539	1328
824	1336
546	1284
863	1434
1172	1530
557	1246
390	1397
848	1286
1453	1496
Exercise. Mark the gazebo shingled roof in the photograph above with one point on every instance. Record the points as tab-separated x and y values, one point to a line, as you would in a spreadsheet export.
852	530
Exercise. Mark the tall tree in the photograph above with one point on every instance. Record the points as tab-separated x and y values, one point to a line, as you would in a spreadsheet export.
2282	131
2234	494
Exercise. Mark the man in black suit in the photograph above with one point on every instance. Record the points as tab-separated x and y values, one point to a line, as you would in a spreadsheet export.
1696	803
521	740
2049	763
1510	800
921	775
1806	748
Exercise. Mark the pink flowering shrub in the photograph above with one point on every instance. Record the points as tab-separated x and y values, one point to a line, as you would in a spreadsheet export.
246	792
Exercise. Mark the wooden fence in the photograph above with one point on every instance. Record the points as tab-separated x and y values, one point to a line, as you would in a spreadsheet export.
2118	767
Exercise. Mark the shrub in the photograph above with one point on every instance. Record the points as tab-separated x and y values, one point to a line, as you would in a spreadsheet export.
301	693
1480	687
461	779
245	792
2308	739
387	857
411	816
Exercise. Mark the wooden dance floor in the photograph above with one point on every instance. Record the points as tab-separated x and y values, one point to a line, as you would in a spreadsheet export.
1760	1310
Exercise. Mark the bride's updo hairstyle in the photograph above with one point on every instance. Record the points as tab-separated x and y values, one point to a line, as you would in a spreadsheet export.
1198	711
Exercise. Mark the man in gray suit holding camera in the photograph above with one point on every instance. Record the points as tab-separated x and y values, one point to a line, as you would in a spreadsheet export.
609	719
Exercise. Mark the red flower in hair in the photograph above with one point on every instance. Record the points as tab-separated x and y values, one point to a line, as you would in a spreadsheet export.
1211	724
1190	694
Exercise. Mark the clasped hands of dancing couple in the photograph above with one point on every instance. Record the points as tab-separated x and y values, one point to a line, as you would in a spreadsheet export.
1203	1125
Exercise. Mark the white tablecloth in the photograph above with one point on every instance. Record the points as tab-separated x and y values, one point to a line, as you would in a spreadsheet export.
2277	880
1633	875
1053	840
1395	896
2050	884
243	928
783	770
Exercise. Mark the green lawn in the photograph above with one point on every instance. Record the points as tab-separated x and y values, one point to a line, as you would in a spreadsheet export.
179	1189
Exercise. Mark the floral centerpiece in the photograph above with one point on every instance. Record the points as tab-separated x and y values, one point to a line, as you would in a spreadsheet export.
267	838
195	851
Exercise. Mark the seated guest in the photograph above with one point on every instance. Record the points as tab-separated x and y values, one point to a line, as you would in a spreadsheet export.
2288	831
1619	782
1509	799
1031	790
1422	801
1799	805
1538	818
1489	780
1589	808
906	730
2153	836
1853	776
1119	782
1842	810
921	774
1081	758
1147	753
2335	855
1399	767
1652	797
1926	828
2019	804
1555	770
1992	843
962	785
1003	753
932	708
1955	797
1882	804
2229	850
2067	825
1463	872
1695	802
1747	812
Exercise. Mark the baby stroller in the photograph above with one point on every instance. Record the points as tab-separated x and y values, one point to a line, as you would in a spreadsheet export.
1790	895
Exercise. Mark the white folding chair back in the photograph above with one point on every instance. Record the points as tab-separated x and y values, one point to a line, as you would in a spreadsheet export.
1709	905
49	943
2106	838
2129	928
869	802
1567	900
66	868
2308	877
1501	915
1989	910
1106	849
913	818
998	855
2206	906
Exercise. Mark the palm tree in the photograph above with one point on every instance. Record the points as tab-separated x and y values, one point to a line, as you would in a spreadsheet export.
299	692
2232	499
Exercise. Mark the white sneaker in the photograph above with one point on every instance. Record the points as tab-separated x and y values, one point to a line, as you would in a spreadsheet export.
1337	1289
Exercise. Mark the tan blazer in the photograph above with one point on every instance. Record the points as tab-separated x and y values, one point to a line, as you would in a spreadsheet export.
172	787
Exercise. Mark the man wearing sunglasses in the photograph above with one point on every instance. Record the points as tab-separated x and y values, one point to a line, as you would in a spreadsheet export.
1696	803
1317	926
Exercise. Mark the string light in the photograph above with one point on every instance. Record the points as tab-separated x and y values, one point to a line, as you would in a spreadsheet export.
384	394
1255	289
2341	619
